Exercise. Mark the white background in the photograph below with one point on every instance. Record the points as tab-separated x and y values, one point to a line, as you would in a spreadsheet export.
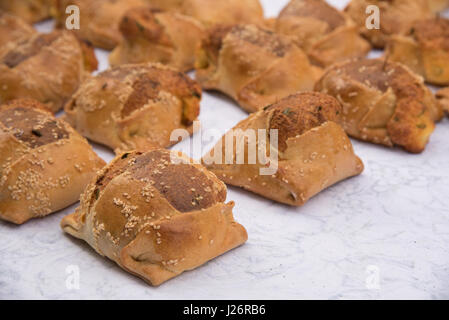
384	234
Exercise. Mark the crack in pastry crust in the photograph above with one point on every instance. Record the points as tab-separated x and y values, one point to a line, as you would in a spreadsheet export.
160	227
383	102
135	106
44	163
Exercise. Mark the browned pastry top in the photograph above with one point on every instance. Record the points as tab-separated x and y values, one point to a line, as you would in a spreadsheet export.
138	21
432	32
298	113
29	49
147	85
264	39
318	9
185	187
30	124
383	75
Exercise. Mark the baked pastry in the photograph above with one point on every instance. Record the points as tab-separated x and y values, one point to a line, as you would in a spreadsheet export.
383	102
438	5
99	19
310	152
29	10
254	66
45	67
44	163
13	30
425	50
173	219
443	97
211	12
134	106
396	17
150	35
324	33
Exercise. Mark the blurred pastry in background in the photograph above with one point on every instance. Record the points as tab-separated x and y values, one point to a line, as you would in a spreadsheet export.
443	97
396	17
425	50
383	102
438	5
211	12
324	33
29	10
173	219
99	19
150	35
44	164
45	67
252	65
309	153
135	106
13	30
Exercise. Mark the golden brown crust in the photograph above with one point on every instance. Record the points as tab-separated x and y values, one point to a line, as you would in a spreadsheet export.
150	35
313	151
135	106
13	30
299	113
99	19
443	98
45	67
425	50
29	10
324	33
438	5
254	66
383	102
212	12
44	163
396	17
173	219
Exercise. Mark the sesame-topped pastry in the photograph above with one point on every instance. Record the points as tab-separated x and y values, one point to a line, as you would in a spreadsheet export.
396	17
308	150
13	30
254	66
324	33
44	164
99	19
29	10
45	67
425	50
383	102
135	106
443	97
150	35
156	214
211	12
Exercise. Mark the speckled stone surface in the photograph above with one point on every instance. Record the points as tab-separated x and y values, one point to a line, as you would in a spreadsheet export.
384	234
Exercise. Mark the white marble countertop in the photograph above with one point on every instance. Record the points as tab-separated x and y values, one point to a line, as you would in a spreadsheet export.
384	234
